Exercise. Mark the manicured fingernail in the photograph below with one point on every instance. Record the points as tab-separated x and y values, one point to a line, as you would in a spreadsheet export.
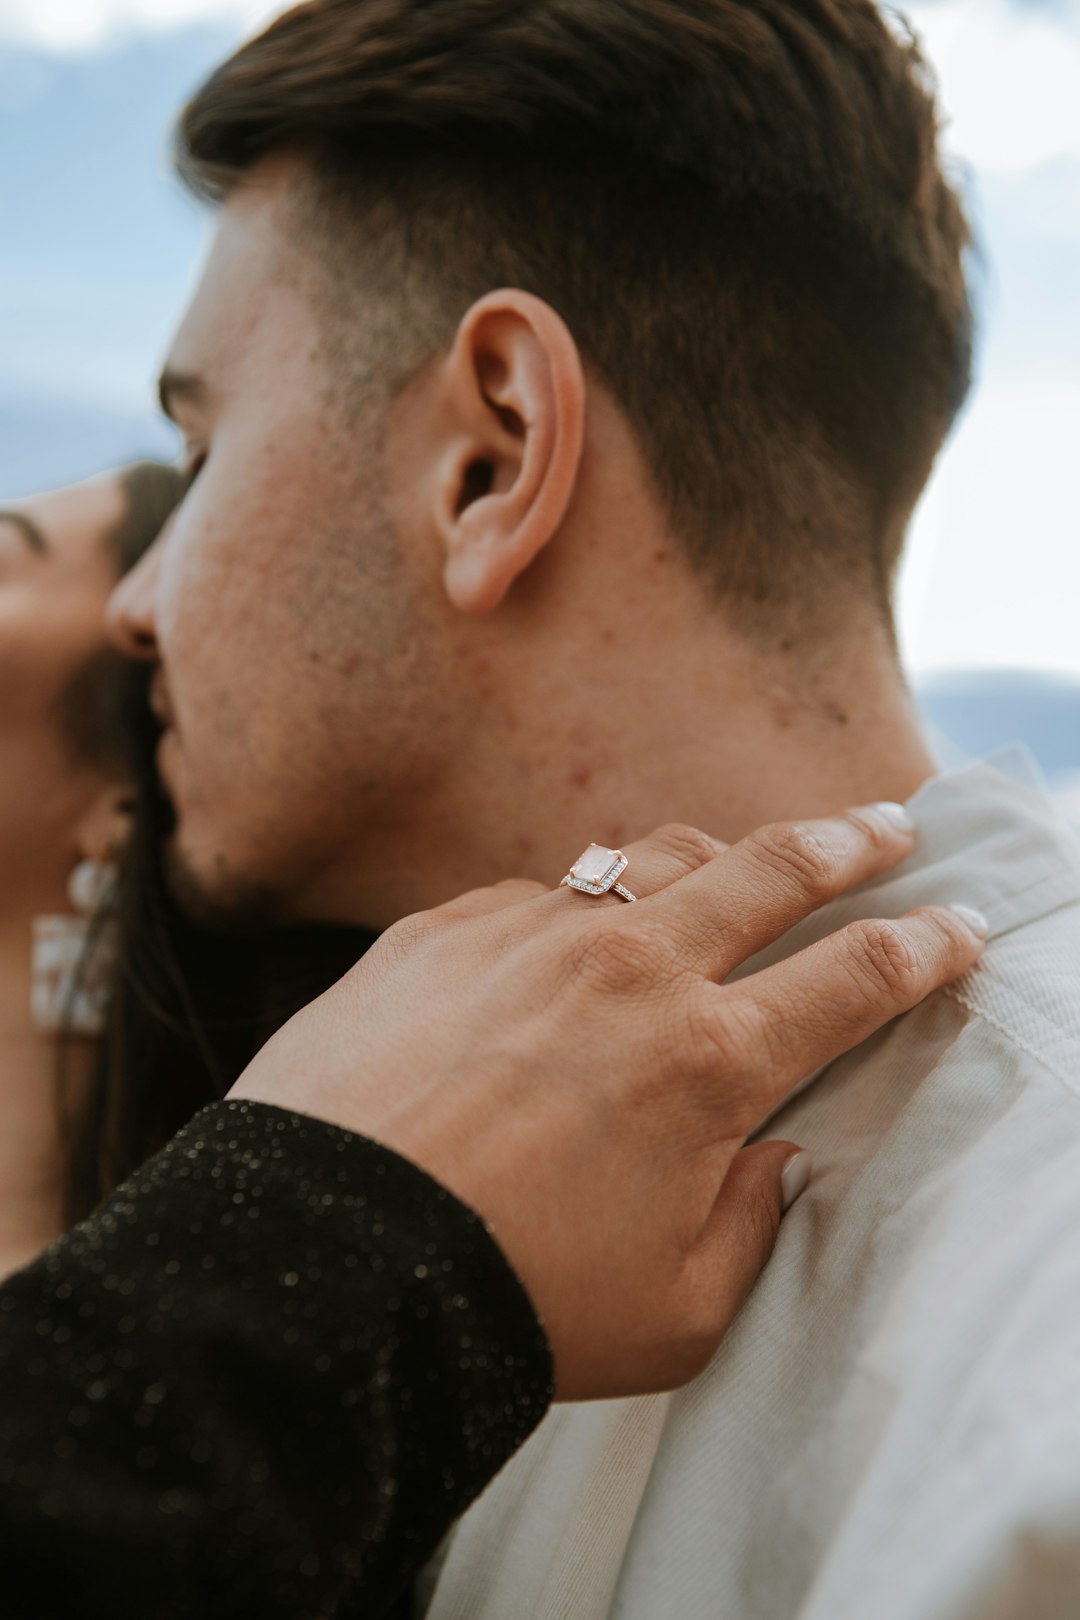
795	1178
895	815
974	920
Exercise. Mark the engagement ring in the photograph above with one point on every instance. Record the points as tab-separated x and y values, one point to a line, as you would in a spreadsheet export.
598	871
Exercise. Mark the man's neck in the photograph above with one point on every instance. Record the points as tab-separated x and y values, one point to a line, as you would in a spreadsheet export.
670	719
733	746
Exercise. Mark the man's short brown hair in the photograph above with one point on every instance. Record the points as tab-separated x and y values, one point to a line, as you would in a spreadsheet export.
736	205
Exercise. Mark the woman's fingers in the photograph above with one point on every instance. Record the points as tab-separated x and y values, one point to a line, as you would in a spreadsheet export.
753	893
763	887
794	1018
652	864
666	855
496	897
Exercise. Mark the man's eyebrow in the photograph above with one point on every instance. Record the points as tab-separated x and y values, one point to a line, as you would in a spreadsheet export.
29	530
176	386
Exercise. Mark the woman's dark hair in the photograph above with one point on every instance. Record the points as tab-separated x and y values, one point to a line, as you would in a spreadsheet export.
190	1008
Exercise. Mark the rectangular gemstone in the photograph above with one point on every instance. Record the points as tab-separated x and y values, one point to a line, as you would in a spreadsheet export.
596	863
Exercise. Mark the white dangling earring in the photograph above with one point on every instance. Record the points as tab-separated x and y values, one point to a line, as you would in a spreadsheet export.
74	957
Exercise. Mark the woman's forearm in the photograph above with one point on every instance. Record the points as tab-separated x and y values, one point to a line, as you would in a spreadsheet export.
264	1377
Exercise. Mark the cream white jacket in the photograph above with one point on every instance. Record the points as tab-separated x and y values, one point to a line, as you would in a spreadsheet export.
892	1429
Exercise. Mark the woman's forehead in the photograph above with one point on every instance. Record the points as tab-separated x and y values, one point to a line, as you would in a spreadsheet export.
76	520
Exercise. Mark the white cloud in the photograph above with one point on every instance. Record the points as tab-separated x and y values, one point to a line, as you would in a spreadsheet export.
1008	78
993	570
76	24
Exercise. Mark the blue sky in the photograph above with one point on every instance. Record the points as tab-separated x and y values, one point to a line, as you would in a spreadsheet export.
100	248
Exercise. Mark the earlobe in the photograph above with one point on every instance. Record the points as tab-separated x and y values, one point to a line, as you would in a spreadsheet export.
517	393
103	833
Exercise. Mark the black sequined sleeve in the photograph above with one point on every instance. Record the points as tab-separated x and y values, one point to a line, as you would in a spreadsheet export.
261	1380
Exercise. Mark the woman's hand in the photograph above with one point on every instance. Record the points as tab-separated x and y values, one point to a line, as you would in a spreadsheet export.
577	1070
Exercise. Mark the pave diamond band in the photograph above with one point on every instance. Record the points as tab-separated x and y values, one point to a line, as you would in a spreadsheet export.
598	872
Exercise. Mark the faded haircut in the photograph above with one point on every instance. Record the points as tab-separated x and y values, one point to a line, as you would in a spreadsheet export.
737	206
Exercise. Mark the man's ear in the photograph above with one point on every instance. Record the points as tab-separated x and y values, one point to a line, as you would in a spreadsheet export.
513	411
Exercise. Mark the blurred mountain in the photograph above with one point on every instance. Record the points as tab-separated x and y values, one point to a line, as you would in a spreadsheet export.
982	711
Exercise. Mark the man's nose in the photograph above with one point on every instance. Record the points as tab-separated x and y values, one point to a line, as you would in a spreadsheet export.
130	617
